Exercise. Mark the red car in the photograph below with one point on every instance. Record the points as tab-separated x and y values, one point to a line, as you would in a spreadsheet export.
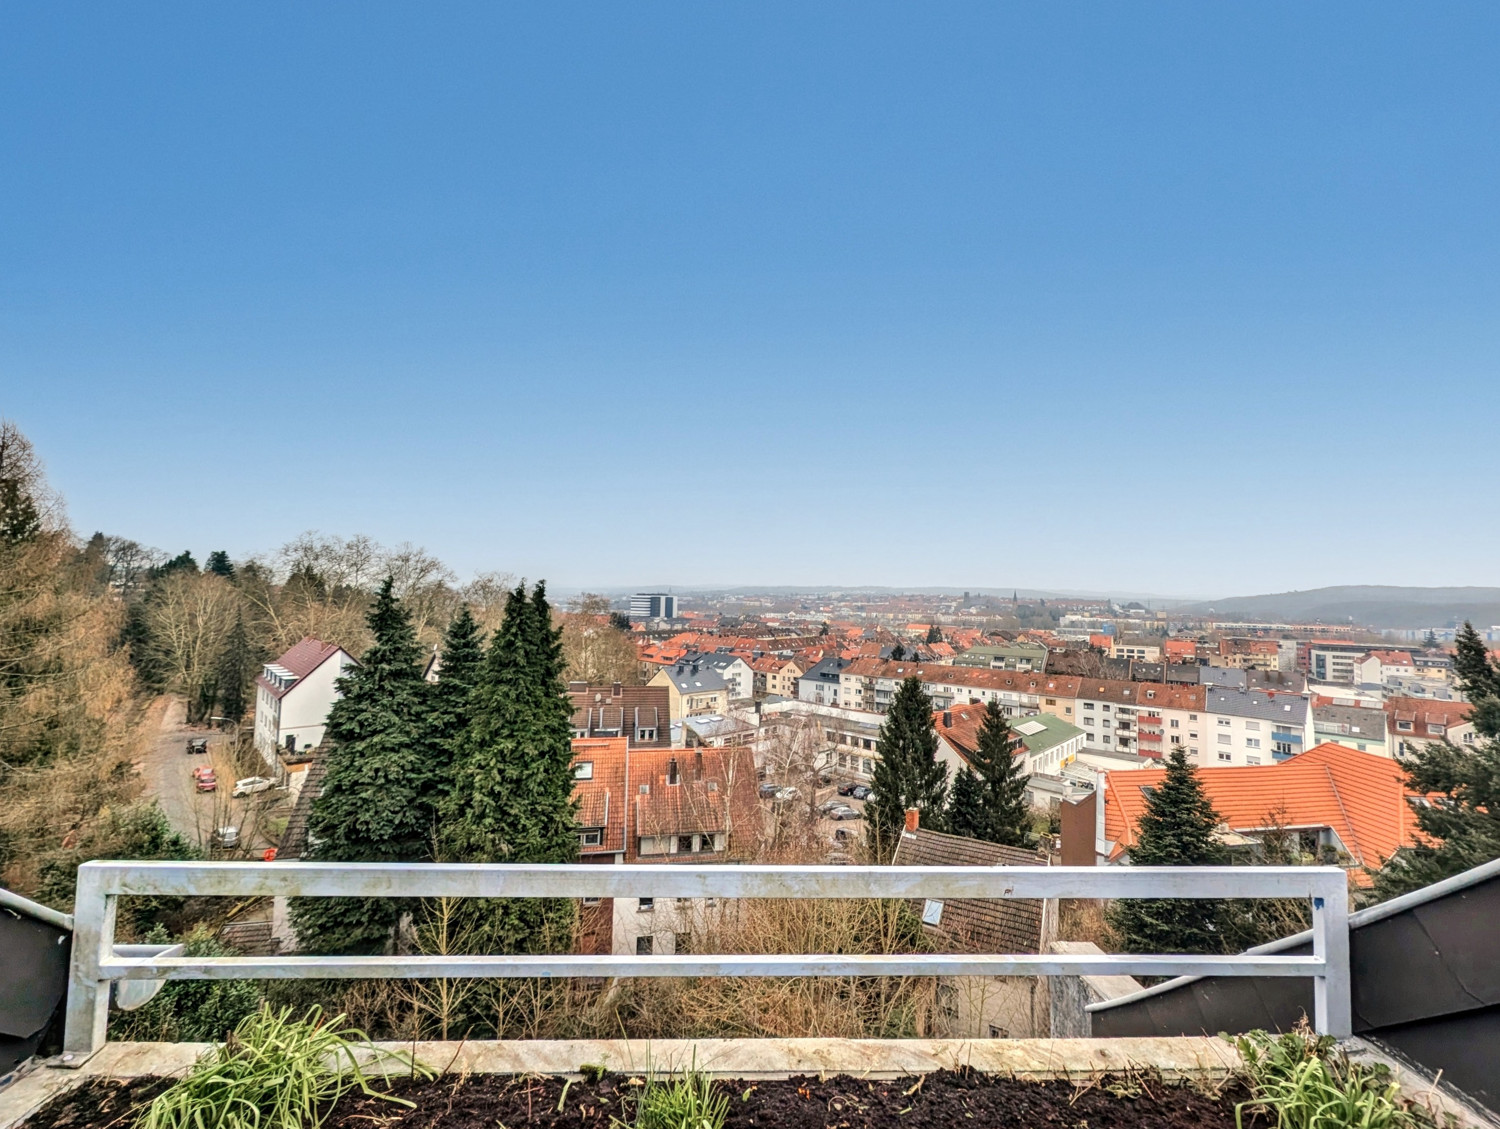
207	782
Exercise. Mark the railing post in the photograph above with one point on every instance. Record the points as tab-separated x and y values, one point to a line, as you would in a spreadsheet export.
1332	1006
87	1016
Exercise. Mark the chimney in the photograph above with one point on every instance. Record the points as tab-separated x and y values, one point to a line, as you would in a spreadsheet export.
698	764
672	777
947	719
614	691
913	819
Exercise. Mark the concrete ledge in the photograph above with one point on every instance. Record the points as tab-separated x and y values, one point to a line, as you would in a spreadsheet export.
1197	1058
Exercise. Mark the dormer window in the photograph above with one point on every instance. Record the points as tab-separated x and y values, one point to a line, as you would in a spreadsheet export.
583	770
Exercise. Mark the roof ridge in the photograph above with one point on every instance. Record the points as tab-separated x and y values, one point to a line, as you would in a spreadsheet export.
1338	798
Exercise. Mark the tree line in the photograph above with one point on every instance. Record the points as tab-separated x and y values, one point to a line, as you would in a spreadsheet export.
472	767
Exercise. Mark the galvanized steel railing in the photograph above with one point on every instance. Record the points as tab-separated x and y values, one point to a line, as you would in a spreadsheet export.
101	884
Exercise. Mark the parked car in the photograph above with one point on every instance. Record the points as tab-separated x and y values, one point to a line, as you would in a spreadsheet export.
829	805
844	813
784	794
197	745
862	792
768	790
207	782
202	770
227	837
847	787
841	836
252	784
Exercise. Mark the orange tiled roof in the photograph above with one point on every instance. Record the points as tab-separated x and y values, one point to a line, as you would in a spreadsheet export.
601	799
1361	796
1424	712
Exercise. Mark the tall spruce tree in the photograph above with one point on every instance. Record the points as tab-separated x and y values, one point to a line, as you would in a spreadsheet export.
1177	829
966	805
1462	830
369	809
234	670
219	564
460	660
512	797
908	773
1004	816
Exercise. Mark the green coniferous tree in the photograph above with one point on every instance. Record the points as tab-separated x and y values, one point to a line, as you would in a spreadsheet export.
934	634
1002	783
461	658
1177	829
1463	829
966	814
512	796
234	670
908	773
369	809
219	564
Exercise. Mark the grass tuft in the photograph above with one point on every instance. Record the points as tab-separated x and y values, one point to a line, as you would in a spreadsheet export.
273	1072
1307	1083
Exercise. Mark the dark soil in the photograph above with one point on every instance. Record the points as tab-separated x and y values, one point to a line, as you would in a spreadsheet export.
941	1099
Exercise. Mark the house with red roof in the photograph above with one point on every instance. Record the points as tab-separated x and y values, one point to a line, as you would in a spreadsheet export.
294	694
1345	806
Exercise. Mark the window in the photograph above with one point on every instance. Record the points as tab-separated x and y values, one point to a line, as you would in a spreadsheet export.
998	1032
643	946
685	844
1088	721
1088	705
645	735
1175	724
1192	717
1281	748
645	905
1253	726
1252	760
589	839
1252	742
1225	738
1226	756
1435	730
1223	721
1105	708
583	770
1192	734
1106	723
1404	726
591	901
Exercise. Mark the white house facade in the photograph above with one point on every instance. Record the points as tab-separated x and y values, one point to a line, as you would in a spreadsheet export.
293	696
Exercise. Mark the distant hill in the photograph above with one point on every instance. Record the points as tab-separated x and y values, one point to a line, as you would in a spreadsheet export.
1375	605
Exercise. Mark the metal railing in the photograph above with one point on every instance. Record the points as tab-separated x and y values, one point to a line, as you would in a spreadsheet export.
101	884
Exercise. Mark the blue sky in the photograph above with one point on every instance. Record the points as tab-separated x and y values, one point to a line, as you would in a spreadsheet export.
1179	298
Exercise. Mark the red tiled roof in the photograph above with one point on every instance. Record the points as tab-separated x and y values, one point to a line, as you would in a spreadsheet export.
1392	658
715	791
601	799
300	660
1361	796
1424	712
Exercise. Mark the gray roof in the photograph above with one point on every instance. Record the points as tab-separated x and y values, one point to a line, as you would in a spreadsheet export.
1366	722
1290	708
825	671
1223	676
694	677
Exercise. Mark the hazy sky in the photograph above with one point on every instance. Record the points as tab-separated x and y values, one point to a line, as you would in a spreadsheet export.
1183	298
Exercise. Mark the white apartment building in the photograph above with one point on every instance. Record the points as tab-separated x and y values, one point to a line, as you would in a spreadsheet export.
293	696
1251	727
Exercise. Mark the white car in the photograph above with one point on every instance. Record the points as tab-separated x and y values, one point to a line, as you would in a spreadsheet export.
252	784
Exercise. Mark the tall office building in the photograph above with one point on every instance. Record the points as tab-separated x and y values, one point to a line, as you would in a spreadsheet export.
653	605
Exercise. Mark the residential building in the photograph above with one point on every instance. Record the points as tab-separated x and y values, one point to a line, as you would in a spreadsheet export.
640	714
1380	668
1005	656
1355	727
1242	654
984	1007
1332	803
653	605
1179	650
1254	727
293	696
1412	722
658	805
822	684
776	676
1333	660
1043	744
1139	718
738	675
692	689
1137	650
